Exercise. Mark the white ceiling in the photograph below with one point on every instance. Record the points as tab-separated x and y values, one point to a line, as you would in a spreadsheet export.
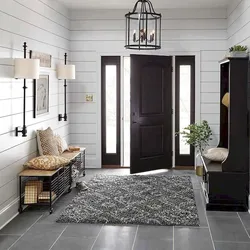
158	4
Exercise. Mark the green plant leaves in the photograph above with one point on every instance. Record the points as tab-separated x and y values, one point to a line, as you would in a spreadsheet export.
197	135
238	48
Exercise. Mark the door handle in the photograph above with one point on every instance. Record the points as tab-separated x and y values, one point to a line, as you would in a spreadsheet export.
133	122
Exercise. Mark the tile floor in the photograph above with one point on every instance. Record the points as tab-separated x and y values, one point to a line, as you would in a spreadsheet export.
37	230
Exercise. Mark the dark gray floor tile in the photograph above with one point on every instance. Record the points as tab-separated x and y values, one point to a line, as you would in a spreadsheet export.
225	226
67	197
245	217
21	223
196	185
201	208
82	230
192	239
37	242
155	232
44	229
153	244
116	237
40	237
7	240
231	246
48	219
221	214
73	243
227	229
36	209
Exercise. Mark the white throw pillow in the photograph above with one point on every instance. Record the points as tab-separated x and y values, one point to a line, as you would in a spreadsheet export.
61	143
64	144
216	154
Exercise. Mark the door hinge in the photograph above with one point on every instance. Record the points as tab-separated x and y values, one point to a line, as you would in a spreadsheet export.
172	153
172	69
172	111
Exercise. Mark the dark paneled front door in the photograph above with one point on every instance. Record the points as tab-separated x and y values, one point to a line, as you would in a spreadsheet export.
151	113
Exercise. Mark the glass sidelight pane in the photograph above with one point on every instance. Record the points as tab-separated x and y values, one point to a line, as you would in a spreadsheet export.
126	120
185	105
111	112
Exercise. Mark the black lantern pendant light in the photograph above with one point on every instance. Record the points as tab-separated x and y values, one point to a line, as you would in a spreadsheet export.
143	27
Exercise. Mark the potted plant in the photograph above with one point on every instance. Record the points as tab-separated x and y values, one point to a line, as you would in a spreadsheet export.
238	51
198	136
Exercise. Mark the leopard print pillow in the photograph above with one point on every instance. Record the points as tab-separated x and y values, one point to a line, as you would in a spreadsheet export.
47	162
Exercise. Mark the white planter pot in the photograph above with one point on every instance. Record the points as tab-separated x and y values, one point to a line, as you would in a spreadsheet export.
238	54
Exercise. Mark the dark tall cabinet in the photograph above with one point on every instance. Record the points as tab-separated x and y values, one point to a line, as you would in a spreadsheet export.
226	184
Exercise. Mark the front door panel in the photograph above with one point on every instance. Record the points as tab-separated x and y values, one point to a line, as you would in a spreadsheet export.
151	113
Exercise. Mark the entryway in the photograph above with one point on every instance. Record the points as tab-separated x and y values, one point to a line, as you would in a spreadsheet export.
144	103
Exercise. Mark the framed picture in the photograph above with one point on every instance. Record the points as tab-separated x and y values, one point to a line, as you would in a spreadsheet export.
45	59
41	96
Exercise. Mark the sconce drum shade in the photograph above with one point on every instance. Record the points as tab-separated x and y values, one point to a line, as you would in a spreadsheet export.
226	100
27	68
67	72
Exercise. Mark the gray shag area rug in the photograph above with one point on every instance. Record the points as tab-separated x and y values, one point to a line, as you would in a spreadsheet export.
134	199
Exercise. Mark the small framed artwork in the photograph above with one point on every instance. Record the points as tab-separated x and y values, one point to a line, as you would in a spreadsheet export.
41	95
45	59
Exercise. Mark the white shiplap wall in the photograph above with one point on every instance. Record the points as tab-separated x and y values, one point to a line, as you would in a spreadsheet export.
239	23
44	25
200	32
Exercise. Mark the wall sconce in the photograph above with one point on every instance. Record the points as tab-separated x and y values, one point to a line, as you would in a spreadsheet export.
25	69
65	72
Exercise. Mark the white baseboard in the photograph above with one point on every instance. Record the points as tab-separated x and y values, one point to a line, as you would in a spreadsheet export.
8	213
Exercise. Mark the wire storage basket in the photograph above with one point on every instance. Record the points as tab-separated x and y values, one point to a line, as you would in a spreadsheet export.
43	188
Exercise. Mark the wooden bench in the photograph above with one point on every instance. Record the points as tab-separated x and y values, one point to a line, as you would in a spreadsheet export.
44	188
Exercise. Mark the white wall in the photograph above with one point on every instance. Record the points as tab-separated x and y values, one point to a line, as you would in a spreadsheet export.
95	33
239	23
44	25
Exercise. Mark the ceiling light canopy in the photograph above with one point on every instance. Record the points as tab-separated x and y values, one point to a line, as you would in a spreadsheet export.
143	27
